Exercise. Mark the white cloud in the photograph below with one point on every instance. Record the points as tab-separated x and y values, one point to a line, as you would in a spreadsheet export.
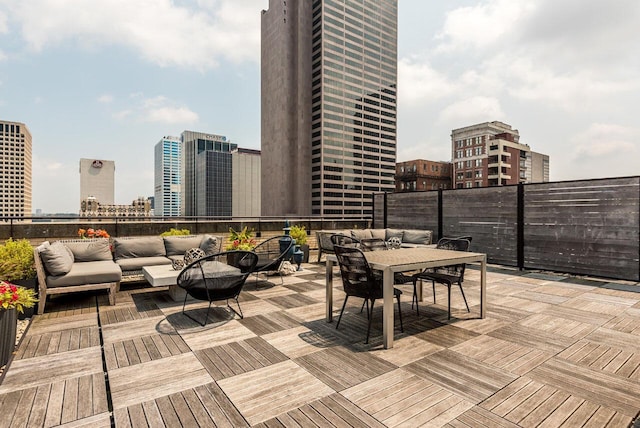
157	109
161	31
105	99
604	139
419	81
482	25
4	28
472	110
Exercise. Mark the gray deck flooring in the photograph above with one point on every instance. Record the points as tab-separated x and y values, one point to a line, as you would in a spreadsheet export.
552	352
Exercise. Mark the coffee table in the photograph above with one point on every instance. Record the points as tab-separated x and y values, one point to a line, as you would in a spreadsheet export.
162	276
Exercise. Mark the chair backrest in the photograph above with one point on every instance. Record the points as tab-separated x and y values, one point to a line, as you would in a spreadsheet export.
273	251
219	275
455	244
344	241
357	276
373	244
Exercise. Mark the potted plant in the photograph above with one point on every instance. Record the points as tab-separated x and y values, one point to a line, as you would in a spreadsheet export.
299	233
13	299
17	267
242	240
176	232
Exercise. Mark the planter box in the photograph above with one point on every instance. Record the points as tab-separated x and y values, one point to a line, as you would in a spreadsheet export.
8	326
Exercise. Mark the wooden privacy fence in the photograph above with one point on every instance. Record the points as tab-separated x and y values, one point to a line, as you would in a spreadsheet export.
588	227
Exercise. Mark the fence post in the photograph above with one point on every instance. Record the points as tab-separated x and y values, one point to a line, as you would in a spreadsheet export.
384	212
520	227
440	219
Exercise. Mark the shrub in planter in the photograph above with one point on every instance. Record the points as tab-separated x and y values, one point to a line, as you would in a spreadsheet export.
299	233
17	266
176	232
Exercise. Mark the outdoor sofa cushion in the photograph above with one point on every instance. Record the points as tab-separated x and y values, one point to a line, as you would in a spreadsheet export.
147	246
412	236
90	250
56	257
137	263
394	233
178	245
87	273
361	234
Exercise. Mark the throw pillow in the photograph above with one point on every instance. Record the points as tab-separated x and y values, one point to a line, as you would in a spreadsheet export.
192	255
90	250
210	245
57	259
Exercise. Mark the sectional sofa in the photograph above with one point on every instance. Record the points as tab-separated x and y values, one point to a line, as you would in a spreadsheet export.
409	238
68	266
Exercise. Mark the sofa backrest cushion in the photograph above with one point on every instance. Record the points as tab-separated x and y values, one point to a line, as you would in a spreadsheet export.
379	234
413	236
211	244
394	233
147	246
177	245
56	258
90	250
361	234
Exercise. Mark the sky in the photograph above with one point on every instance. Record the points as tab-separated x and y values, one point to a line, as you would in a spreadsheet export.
108	79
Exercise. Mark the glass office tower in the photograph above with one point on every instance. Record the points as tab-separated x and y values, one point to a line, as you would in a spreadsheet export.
168	177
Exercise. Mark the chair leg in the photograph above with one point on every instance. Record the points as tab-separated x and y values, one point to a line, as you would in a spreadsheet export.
433	285
186	314
369	324
342	310
239	311
449	301
415	297
464	297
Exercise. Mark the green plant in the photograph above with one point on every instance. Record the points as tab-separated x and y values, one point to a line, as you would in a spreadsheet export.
299	233
13	296
242	240
173	231
16	260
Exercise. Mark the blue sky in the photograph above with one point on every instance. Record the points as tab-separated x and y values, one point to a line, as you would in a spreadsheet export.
107	79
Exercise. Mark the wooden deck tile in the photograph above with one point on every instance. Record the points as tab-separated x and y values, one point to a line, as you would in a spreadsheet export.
121	331
604	389
37	345
265	324
439	334
143	349
265	393
239	357
532	337
147	381
204	337
337	368
80	398
465	376
47	369
292	301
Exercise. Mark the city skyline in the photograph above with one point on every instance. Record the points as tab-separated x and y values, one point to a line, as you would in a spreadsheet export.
110	82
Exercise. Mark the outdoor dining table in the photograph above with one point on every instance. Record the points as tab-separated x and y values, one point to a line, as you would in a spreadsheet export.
403	260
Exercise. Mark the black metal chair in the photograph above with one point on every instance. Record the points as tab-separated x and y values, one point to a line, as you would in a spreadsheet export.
358	280
271	253
447	275
217	277
344	240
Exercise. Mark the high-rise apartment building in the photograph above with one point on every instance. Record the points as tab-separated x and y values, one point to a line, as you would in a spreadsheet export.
490	154
420	174
97	180
15	169
199	165
328	125
168	177
245	183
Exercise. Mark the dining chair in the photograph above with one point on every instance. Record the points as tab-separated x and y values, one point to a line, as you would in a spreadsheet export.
344	240
358	280
446	275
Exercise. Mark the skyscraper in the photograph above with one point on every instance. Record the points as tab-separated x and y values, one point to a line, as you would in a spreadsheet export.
199	165
97	180
168	177
245	170
328	126
15	169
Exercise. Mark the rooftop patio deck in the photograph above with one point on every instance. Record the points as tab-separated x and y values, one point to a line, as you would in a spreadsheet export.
553	351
